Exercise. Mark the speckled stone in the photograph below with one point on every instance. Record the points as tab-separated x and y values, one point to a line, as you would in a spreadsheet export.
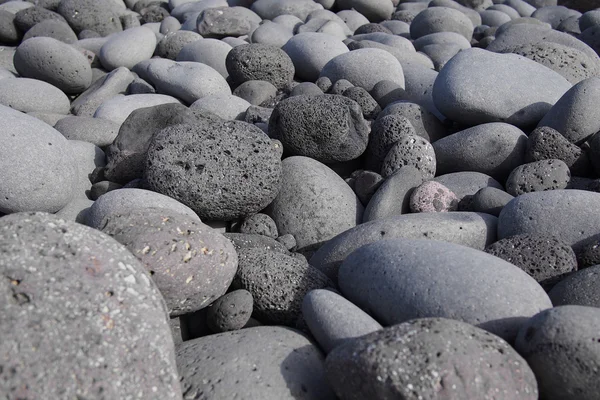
538	176
413	360
230	312
92	297
589	254
267	362
259	224
191	264
278	283
561	347
96	15
432	196
260	62
410	150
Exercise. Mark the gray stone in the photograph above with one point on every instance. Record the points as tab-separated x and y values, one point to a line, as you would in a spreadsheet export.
172	43
27	95
467	183
464	228
589	19
9	33
490	200
574	211
561	347
27	18
419	86
571	114
191	264
554	15
538	176
306	88
38	171
55	62
93	298
365	184
223	105
494	18
441	19
440	54
260	224
413	360
96	15
76	210
222	170
333	320
545	143
127	200
311	51
260	62
220	22
544	257
87	158
269	9
119	108
385	132
101	188
278	282
230	312
467	92
100	132
494	149
279	363
573	64
375	11
370	108
127	48
211	52
364	68
580	288
327	128
424	122
410	150
272	33
103	89
442	38
401	279
523	8
244	241
256	92
314	203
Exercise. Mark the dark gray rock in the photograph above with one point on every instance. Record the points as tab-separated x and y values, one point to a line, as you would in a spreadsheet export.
260	62
573	64
410	150
371	28
464	228
546	143
172	43
279	363
333	320
9	33
392	198
100	188
220	22
222	170
594	152
561	347
259	224
571	114
441	19
589	255
579	288
589	19
425	123
538	176
370	108
401	279
256	92
374	11
490	200
544	257
127	200
96	15
467	92
314	203
537	213
365	184
467	183
258	114
412	360
494	149
244	241
92	297
27	18
191	264
327	128
230	312
385	132
278	283
126	156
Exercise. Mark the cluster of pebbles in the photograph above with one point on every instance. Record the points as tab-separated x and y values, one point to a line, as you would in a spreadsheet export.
299	199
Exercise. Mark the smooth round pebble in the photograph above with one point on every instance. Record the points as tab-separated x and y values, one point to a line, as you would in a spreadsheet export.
441	19
490	200
579	288
27	95
127	48
211	52
256	92
260	224
432	196
100	132
230	312
95	15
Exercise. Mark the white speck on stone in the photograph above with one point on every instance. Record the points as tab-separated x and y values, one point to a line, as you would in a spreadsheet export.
130	279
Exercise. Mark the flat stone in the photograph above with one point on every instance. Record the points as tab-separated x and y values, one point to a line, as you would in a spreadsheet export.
398	280
100	132
118	108
103	89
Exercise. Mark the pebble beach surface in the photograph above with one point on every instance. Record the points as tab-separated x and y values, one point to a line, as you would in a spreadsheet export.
300	199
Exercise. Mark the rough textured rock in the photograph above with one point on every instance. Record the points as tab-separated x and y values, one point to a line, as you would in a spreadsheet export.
172	43
544	257
467	92
38	170
95	15
93	301
538	176
230	312
278	283
222	170
260	362
260	224
327	128
398	280
432	196
260	62
191	264
464	228
220	22
535	213
410	150
314	203
386	130
561	347
414	359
